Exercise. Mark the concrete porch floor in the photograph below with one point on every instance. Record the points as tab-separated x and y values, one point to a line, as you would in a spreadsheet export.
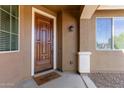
67	80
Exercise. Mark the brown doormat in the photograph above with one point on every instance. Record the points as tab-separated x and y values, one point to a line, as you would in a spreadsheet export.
45	78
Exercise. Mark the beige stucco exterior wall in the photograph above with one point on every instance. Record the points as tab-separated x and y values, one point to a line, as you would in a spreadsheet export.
69	41
59	40
15	67
104	61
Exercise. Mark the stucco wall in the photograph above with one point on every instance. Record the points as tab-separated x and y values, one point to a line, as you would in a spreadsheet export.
69	41
104	61
59	40
15	67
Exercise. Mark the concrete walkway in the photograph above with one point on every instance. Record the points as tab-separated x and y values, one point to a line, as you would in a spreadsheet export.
67	80
88	82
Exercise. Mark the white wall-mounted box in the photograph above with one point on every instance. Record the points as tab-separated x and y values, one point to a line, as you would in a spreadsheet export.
84	62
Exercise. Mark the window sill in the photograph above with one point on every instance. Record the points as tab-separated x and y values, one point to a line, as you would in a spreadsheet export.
4	52
114	50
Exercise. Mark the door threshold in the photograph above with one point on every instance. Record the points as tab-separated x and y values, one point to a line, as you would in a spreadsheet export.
45	72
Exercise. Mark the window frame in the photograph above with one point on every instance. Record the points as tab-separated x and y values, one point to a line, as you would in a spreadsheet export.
18	50
112	33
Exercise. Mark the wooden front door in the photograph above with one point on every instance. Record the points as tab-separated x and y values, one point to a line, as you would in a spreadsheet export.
43	43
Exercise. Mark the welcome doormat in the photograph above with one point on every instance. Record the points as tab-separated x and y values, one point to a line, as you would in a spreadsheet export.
45	78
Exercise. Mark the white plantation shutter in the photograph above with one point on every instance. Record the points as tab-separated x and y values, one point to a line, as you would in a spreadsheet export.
8	27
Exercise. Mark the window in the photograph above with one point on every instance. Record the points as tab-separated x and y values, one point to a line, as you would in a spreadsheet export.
119	33
9	28
110	33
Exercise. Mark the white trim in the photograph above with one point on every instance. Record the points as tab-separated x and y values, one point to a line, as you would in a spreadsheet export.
10	26
112	50
14	51
112	17
34	10
112	34
84	53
